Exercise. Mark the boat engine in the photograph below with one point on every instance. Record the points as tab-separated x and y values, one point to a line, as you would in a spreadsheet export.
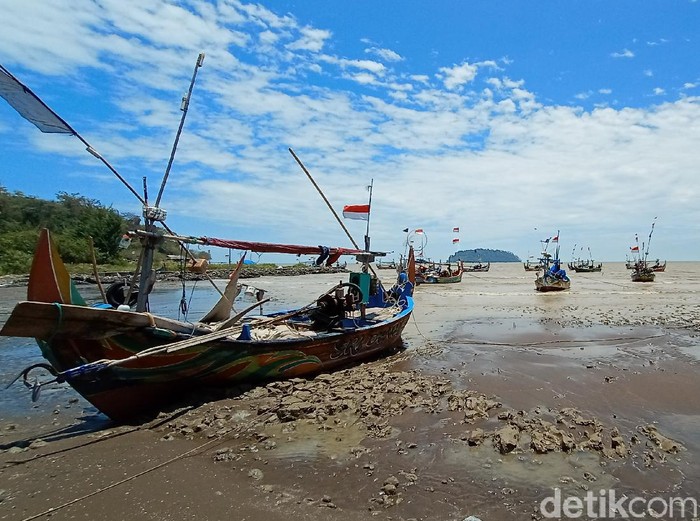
331	308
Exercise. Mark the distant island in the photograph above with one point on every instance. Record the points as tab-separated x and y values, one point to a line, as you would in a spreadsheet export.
484	255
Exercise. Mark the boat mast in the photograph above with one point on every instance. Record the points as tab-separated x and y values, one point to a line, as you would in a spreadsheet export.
369	213
154	214
646	252
183	107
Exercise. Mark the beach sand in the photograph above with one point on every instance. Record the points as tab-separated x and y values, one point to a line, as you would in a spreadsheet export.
500	396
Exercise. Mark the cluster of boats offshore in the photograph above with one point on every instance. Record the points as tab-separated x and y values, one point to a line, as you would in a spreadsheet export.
553	278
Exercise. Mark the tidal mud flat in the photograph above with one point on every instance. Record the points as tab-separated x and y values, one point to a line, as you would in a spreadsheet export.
501	396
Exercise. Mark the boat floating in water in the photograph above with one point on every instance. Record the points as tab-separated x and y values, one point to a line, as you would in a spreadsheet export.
478	267
437	273
642	269
581	265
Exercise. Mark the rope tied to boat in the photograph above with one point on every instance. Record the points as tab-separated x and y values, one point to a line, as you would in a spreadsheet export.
59	321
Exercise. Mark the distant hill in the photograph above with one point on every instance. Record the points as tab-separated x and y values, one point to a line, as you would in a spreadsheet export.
484	255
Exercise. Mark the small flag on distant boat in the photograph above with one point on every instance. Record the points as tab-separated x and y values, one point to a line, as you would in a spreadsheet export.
356	211
455	230
455	240
634	248
419	230
555	239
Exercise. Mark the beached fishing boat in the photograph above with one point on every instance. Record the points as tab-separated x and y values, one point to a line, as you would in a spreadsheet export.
127	360
642	273
552	277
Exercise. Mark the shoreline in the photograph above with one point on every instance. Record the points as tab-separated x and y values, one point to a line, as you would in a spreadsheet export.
247	272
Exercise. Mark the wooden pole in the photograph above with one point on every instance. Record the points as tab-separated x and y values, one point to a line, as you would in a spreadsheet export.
330	207
94	269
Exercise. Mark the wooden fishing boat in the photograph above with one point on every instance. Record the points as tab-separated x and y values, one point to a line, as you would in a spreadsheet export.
642	269
388	265
585	266
532	266
641	272
657	266
478	267
581	265
439	274
552	277
128	362
546	283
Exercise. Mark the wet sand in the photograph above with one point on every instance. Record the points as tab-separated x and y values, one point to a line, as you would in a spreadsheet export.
501	395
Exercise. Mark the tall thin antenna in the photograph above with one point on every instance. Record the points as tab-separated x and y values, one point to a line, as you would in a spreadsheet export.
185	105
369	213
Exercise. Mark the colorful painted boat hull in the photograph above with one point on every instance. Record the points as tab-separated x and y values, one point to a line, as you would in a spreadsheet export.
72	334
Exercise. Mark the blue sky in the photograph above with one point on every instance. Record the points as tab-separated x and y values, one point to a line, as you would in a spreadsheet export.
510	120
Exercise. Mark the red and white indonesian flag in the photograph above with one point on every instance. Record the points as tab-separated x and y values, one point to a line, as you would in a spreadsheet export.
455	230
634	248
418	230
455	240
555	239
356	211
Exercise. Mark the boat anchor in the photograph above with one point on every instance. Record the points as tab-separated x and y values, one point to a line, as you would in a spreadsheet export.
35	385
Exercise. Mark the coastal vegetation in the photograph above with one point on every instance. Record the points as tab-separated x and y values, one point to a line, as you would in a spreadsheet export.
73	220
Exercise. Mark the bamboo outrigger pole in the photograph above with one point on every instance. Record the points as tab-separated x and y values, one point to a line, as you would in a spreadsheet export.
330	207
369	213
335	214
646	253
